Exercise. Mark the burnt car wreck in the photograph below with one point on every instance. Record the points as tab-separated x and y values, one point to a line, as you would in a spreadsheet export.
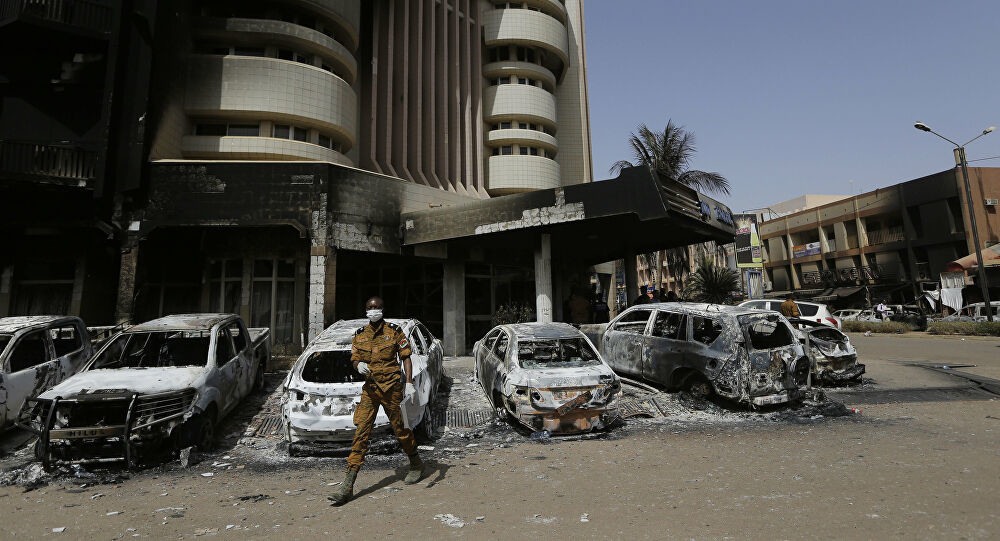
153	388
547	376
747	356
835	361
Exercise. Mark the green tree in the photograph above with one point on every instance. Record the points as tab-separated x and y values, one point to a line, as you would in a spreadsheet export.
712	283
668	153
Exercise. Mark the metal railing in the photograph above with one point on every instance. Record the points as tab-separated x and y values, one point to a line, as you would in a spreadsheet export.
48	161
849	276
885	236
96	15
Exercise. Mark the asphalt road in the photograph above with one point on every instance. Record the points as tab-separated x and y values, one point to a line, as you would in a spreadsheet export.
922	459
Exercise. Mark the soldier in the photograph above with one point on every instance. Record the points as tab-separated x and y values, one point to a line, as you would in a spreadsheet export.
374	350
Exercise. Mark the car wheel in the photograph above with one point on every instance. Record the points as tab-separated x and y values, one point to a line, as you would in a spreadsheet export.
425	430
258	382
499	408
202	434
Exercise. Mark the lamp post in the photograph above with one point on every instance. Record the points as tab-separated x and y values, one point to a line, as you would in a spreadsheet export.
960	160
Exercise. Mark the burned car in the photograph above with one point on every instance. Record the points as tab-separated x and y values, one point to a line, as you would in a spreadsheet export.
741	354
547	376
158	385
37	352
835	361
323	389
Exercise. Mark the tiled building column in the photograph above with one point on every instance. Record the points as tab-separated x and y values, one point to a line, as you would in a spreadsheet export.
322	289
543	279
125	304
454	307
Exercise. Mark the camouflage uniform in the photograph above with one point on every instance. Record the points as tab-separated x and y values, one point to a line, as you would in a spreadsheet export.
384	386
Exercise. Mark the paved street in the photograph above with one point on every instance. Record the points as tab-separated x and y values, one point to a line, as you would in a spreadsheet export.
920	460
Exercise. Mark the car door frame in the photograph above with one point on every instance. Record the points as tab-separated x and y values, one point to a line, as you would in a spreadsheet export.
13	402
71	362
228	373
632	347
245	357
497	367
662	355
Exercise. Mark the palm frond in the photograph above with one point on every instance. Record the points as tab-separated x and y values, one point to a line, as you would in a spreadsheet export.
712	283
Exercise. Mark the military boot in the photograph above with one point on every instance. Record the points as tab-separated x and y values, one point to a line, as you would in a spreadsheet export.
416	470
346	490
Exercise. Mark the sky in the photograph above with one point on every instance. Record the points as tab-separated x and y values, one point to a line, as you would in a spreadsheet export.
793	97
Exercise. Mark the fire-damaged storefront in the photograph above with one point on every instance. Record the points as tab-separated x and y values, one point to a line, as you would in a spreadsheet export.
296	246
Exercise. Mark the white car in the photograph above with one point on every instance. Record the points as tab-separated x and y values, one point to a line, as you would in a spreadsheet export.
547	376
323	389
36	353
812	311
847	315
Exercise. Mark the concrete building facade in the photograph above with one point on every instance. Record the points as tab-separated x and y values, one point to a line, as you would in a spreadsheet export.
894	237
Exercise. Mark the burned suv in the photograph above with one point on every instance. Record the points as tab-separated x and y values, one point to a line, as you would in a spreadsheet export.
745	355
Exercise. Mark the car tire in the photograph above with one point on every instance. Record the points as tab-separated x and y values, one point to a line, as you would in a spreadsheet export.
499	409
425	430
201	433
258	382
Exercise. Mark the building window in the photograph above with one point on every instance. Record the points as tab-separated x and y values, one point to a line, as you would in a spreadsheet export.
244	130
534	151
217	129
225	286
271	303
286	54
299	134
325	141
281	131
248	51
522	150
522	125
506	150
505	125
496	151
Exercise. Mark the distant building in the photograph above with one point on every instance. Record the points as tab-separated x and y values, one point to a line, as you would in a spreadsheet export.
803	202
891	238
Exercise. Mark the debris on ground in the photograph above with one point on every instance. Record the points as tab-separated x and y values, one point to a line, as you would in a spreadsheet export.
449	519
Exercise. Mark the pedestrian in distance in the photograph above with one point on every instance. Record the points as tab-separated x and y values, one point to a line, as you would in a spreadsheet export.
882	310
381	353
789	308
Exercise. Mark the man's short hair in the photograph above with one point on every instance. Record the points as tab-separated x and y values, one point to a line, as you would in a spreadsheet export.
376	299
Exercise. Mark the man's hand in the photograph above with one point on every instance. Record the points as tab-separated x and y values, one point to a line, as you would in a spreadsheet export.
363	369
409	392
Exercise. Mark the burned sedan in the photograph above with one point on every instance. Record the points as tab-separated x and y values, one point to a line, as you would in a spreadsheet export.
834	357
156	386
323	389
745	355
547	376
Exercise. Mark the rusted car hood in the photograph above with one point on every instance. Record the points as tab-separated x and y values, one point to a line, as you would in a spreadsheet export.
136	380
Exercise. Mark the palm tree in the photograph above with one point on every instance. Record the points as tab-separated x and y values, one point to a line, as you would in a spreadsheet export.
668	153
712	283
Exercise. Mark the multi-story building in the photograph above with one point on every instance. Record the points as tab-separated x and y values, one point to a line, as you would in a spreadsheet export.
668	270
285	160
891	237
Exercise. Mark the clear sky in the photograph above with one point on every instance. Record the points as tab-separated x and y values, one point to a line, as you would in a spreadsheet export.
798	96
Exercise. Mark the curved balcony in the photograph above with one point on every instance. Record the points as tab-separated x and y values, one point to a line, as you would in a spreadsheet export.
282	34
205	147
346	13
525	27
280	90
554	8
496	138
519	102
514	68
514	174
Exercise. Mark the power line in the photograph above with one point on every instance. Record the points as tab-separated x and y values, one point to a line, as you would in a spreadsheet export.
981	159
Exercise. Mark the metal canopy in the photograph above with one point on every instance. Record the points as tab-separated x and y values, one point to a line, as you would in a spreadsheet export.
591	222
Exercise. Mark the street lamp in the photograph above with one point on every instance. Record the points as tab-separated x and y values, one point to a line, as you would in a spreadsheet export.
960	160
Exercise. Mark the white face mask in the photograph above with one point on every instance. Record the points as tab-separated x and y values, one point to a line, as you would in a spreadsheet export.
374	315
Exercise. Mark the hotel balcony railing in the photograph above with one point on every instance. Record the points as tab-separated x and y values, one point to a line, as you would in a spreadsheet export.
885	236
849	276
61	164
92	15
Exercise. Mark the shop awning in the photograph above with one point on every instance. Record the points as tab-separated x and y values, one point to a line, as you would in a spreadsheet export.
991	257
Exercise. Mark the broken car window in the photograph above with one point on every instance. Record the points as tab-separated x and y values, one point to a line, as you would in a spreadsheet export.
633	322
705	330
4	340
557	353
29	351
807	310
155	349
330	367
239	338
767	332
223	348
66	340
501	346
669	325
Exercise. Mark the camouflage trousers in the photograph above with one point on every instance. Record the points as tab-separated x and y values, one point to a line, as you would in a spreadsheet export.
372	396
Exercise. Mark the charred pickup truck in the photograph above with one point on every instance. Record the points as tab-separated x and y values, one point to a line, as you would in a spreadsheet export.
158	385
749	356
37	352
547	376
